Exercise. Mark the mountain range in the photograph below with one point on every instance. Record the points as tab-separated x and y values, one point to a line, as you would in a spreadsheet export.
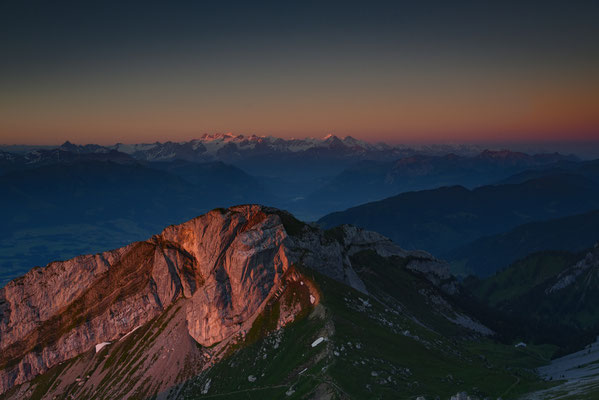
373	180
228	147
485	256
444	219
250	302
77	199
310	177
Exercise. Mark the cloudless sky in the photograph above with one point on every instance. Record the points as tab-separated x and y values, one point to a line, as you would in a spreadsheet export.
420	71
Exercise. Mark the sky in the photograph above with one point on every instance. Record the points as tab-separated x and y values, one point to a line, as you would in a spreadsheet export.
419	71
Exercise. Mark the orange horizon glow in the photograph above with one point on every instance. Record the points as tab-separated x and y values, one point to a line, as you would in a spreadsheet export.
470	77
395	107
501	139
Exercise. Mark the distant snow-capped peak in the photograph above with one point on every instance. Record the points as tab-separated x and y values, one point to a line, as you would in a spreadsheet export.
229	147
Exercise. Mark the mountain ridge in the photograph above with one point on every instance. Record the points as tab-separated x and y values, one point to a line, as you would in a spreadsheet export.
230	148
370	180
488	254
226	265
442	219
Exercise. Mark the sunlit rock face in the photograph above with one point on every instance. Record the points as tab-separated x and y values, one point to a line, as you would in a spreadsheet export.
242	254
227	262
224	266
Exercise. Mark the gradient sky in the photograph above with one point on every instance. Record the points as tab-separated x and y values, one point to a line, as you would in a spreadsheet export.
421	71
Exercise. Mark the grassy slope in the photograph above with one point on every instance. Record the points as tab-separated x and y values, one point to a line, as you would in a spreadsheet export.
567	318
374	349
372	352
522	276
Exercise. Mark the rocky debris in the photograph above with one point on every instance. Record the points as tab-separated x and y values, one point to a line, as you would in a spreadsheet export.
330	253
467	322
206	386
436	271
356	240
463	396
330	256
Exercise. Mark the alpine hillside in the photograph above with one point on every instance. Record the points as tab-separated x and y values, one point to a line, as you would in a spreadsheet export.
249	302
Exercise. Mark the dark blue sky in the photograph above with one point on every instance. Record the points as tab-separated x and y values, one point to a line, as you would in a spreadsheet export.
400	71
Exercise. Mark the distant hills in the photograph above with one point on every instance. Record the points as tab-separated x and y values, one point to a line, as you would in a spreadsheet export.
59	210
310	177
486	255
443	219
111	195
372	180
551	295
11	162
588	169
88	190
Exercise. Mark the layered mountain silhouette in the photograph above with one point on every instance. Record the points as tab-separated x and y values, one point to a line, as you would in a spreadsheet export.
484	256
443	219
374	180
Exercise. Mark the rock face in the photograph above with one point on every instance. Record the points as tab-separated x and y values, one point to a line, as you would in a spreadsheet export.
227	263
587	267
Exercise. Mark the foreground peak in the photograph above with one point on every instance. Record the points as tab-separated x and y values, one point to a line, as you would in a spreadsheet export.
215	274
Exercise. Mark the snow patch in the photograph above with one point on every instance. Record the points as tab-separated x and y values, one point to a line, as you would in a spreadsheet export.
100	346
206	386
130	332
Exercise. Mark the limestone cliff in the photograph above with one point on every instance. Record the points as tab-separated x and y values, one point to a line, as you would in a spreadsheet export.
225	265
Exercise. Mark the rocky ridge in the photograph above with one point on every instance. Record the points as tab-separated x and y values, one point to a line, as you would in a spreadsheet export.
226	265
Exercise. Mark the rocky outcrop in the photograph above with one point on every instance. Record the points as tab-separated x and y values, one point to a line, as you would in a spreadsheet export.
589	264
226	264
330	253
